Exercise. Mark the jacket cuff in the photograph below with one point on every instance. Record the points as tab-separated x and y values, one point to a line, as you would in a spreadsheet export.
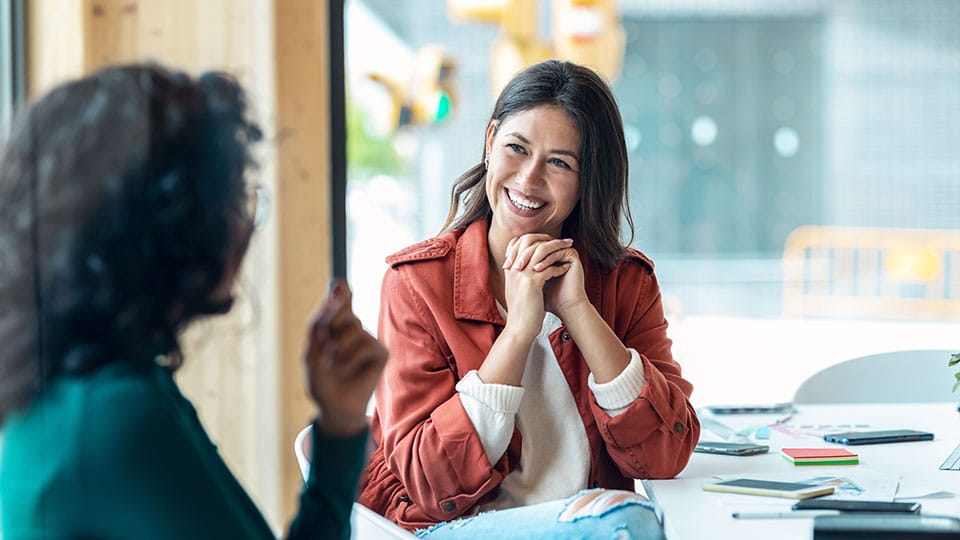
501	398
615	397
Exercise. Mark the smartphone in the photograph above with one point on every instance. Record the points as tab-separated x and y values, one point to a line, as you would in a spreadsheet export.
789	490
885	526
773	408
731	449
878	437
858	506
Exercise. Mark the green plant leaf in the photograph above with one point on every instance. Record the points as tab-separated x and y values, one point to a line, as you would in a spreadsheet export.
954	359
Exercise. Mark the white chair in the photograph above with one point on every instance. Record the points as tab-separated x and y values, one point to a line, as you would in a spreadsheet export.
364	523
891	377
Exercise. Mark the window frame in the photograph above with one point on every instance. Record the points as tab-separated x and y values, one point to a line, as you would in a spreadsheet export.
12	62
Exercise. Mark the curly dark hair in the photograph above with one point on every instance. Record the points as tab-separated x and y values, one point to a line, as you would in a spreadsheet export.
595	223
120	194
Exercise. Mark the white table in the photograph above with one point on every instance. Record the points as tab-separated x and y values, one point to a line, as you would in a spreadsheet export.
692	513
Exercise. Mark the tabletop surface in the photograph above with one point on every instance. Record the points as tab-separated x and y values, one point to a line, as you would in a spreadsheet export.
908	469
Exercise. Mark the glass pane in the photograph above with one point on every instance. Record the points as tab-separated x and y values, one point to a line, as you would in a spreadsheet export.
793	171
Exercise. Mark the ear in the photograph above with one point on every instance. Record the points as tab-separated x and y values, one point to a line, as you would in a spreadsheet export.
491	132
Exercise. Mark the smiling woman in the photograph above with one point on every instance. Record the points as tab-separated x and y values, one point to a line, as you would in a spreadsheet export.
532	174
535	373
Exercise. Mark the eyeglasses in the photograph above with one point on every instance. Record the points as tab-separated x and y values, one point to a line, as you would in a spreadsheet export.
258	206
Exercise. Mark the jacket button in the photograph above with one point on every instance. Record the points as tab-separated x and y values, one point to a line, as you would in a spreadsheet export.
678	428
449	506
565	336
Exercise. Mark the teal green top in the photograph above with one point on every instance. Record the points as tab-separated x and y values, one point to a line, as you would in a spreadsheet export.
121	454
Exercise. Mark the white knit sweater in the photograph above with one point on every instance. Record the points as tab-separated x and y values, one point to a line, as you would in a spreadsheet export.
555	456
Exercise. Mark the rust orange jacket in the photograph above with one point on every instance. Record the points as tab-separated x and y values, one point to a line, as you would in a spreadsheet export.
438	318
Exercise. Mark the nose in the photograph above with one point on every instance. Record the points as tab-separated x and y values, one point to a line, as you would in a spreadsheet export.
531	173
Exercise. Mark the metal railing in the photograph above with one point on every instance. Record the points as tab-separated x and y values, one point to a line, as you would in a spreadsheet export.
872	273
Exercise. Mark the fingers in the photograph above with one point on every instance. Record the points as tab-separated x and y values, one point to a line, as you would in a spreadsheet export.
339	291
337	338
331	319
553	258
553	271
347	334
532	248
519	244
352	357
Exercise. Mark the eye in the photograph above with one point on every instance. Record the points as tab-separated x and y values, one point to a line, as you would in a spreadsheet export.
516	148
560	163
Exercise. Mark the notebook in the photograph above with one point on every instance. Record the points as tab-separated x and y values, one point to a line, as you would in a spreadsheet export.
819	456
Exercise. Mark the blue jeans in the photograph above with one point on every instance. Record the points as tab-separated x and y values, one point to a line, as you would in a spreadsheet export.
593	513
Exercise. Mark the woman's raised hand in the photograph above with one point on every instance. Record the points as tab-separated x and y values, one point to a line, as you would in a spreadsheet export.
343	364
531	261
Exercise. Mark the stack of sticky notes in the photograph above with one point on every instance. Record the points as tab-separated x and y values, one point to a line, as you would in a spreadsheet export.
819	456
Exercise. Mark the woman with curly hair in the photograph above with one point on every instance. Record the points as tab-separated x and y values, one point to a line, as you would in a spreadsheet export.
126	215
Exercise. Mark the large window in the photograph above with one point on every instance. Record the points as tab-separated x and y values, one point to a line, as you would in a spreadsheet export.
794	172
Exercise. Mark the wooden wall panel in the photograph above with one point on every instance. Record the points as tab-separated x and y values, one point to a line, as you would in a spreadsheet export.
302	189
54	43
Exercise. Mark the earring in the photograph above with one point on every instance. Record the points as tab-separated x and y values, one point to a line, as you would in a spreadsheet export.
486	161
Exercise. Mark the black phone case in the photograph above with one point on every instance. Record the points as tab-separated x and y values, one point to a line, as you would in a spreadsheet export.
858	506
885	526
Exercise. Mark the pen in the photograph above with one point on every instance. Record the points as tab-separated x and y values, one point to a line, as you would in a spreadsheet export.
801	514
783	419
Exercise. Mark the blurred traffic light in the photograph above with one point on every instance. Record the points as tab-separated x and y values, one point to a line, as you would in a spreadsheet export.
427	96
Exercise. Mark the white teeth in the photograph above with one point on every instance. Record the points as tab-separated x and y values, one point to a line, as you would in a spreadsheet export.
523	203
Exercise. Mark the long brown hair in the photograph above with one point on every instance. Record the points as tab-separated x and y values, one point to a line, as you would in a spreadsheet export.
595	223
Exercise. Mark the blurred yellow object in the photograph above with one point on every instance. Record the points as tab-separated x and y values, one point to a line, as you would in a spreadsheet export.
913	263
587	32
517	18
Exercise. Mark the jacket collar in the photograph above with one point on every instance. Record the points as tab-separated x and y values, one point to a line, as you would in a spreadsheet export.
473	297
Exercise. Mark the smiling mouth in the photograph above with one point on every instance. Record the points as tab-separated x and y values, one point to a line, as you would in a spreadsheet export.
522	202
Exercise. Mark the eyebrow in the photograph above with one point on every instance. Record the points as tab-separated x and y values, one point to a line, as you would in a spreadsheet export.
524	140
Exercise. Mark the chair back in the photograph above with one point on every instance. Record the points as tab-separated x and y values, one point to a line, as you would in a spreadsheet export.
364	523
303	449
919	376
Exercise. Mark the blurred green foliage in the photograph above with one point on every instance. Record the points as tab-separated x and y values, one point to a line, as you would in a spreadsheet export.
368	154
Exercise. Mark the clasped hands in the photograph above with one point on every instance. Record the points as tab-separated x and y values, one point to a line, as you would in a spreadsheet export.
541	273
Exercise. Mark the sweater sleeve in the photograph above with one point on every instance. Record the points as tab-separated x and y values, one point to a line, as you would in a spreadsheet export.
615	396
492	409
